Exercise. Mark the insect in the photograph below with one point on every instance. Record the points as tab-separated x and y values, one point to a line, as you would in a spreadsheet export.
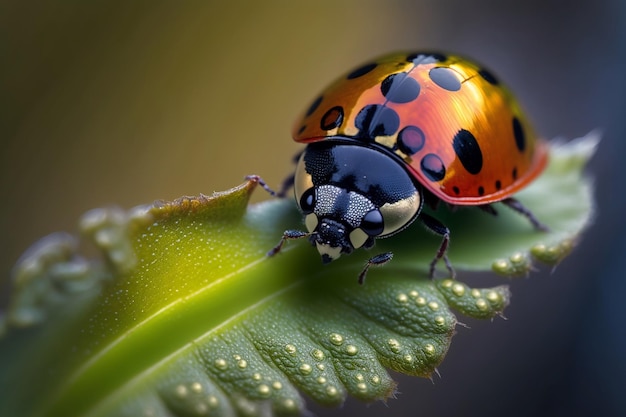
399	132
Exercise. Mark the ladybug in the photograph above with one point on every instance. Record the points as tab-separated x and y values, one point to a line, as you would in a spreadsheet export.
399	132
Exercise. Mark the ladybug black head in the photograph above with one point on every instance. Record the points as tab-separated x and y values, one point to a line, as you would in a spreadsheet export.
330	239
350	195
339	220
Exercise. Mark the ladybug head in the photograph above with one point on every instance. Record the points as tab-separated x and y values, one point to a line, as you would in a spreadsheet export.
352	194
330	239
339	220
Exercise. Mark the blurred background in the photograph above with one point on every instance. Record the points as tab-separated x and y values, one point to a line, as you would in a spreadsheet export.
116	102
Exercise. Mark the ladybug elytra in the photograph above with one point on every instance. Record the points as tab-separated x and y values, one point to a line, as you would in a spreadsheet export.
399	132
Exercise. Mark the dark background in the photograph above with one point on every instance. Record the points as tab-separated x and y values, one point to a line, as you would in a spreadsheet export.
107	102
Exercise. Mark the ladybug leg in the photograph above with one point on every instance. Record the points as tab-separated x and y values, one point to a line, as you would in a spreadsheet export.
488	208
287	235
439	228
288	182
286	186
519	207
262	183
377	260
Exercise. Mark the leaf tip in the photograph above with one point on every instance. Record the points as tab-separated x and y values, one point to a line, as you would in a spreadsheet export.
554	253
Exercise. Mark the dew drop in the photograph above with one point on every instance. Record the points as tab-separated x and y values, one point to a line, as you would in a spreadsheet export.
458	289
336	339
352	350
501	265
264	390
289	404
221	364
318	354
493	296
517	258
212	401
394	345
181	391
290	349
306	369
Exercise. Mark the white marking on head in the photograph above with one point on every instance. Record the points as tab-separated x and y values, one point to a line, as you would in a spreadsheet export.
333	252
311	222
358	238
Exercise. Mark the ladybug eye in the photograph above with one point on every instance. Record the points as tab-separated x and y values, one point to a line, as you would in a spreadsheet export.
307	201
372	223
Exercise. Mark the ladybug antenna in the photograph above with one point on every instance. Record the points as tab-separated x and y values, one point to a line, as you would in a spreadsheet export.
288	235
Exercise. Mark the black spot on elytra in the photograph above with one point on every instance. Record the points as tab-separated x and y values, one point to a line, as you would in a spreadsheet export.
411	140
332	119
519	134
445	78
481	190
314	106
432	166
468	151
456	190
377	120
359	72
400	88
488	76
498	185
514	173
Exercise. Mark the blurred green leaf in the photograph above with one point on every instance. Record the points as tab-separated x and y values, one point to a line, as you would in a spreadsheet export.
184	315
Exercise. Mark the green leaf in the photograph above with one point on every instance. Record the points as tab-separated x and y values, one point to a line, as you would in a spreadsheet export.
184	315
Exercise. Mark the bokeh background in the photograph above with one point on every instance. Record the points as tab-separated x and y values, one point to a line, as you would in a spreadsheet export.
117	102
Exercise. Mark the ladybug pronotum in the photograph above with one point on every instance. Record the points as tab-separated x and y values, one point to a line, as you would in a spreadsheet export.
402	131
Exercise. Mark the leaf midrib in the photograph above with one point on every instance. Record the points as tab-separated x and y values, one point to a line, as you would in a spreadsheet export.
218	304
